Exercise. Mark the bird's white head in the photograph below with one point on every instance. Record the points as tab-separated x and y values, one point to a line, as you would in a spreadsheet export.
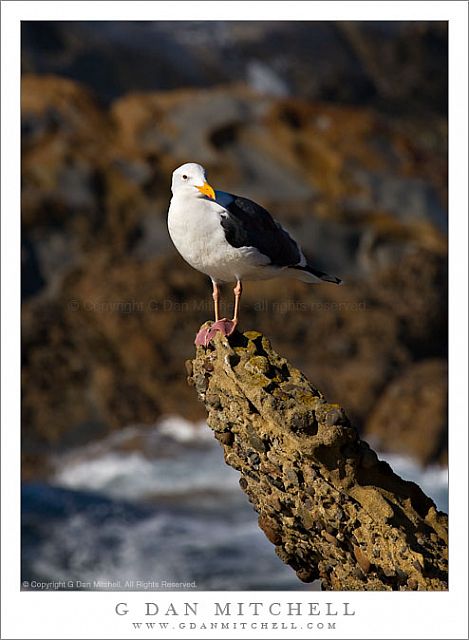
190	178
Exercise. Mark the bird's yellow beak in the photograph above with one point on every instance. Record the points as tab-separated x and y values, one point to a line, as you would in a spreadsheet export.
207	190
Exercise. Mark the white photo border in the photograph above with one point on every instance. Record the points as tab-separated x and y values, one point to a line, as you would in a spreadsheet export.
92	614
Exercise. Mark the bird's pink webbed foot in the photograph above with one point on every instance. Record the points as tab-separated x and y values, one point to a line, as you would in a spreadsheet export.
205	335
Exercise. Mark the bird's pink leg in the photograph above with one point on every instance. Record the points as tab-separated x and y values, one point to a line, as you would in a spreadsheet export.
216	300
238	290
202	339
226	327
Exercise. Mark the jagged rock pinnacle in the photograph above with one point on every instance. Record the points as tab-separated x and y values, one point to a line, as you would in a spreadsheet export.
333	511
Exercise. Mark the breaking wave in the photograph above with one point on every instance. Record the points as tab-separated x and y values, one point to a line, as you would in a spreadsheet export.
155	505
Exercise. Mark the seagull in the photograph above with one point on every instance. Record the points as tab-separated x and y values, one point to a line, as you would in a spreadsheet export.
230	239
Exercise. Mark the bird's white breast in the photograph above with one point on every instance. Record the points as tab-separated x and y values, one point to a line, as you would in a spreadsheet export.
195	228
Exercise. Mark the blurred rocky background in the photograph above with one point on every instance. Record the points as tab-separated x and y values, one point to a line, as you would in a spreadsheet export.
340	129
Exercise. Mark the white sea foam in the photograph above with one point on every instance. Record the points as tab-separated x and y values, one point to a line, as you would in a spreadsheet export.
199	526
195	525
216	554
183	430
178	457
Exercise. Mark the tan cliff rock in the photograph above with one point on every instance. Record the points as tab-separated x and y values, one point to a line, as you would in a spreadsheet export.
332	509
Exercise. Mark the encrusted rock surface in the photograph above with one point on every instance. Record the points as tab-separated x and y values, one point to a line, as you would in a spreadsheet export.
330	507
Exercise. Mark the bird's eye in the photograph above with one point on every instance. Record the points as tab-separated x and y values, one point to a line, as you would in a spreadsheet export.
184	177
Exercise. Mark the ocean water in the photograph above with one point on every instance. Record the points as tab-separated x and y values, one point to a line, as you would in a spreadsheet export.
157	508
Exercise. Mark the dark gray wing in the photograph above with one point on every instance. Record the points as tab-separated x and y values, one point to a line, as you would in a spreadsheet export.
247	224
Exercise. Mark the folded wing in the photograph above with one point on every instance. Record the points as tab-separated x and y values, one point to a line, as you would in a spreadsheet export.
247	224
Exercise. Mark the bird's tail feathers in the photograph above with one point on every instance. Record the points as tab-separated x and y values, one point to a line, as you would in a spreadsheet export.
310	274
